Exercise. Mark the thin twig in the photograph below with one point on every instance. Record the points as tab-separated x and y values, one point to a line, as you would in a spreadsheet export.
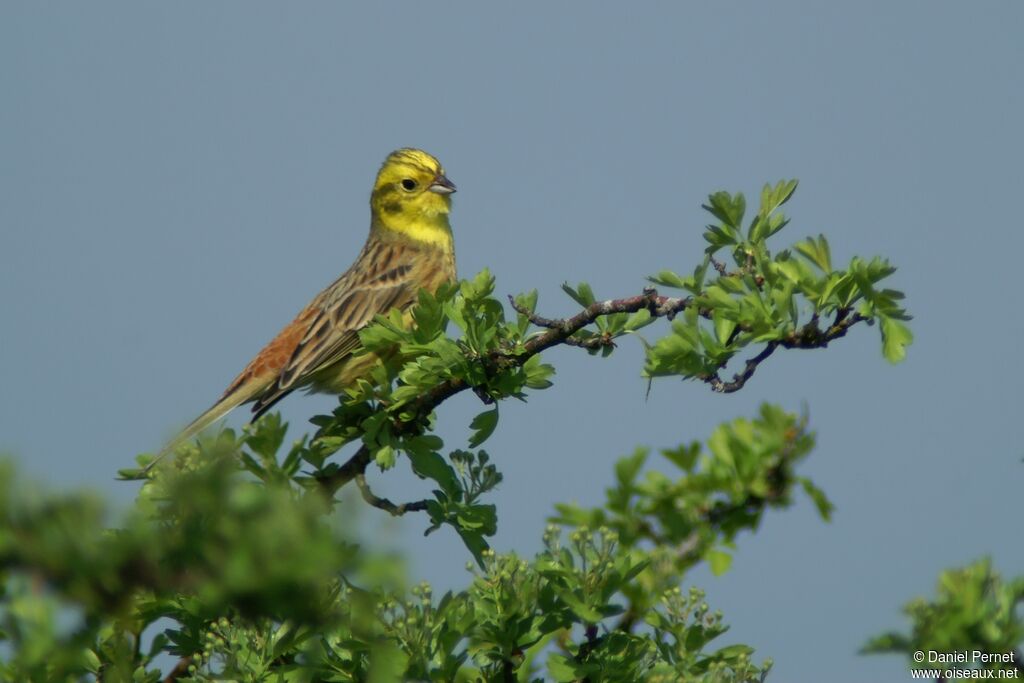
809	336
740	378
385	504
537	320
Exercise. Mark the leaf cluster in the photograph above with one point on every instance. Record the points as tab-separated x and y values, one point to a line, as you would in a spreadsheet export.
261	583
794	298
200	543
975	609
747	467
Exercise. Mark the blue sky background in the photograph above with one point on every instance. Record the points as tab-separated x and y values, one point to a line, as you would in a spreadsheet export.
177	179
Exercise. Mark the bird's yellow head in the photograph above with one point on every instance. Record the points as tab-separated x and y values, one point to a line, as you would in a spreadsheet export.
412	196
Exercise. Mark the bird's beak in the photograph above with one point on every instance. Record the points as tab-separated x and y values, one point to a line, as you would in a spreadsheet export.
442	185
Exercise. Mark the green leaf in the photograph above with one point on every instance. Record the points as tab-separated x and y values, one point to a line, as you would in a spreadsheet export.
388	662
527	301
266	436
580	608
627	468
684	456
821	501
774	197
132	474
634	571
582	294
561	668
475	543
428	315
719	561
791	270
666	278
537	373
638	320
480	287
723	328
817	252
678	352
292	462
483	426
431	465
423	443
250	464
482	518
727	208
385	457
718	237
896	337
734	651
887	643
92	662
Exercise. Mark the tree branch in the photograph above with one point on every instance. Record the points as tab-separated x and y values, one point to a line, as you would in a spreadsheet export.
353	467
559	331
384	503
810	336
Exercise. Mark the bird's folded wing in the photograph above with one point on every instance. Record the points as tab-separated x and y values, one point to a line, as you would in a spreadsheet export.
344	308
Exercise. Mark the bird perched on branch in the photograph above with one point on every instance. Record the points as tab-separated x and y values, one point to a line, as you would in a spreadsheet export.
409	248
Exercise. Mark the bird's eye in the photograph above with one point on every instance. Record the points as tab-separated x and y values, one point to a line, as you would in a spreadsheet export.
409	184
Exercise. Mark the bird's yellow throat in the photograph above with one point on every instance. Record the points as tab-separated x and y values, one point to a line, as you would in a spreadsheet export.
421	229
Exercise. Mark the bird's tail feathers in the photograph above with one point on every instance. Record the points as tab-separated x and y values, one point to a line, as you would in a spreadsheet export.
215	412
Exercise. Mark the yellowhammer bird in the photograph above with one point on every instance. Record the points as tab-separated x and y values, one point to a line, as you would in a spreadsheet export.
410	248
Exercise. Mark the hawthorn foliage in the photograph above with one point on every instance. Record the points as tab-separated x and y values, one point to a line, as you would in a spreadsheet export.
975	612
232	564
